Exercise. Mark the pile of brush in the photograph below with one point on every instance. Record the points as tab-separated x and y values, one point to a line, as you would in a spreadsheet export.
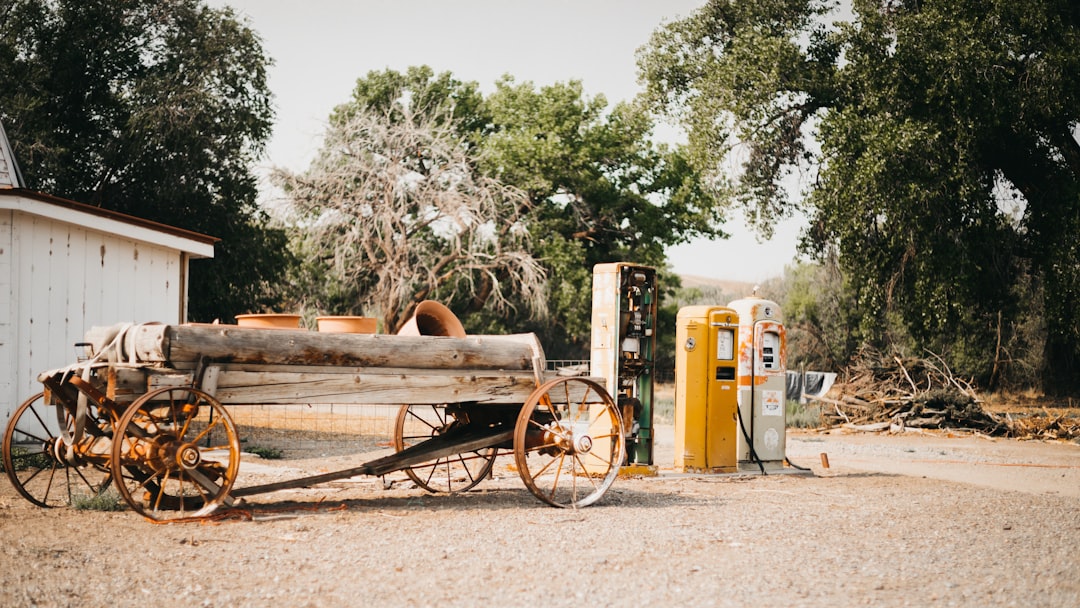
890	393
1048	427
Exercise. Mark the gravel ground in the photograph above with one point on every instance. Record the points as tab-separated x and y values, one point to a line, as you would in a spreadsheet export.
857	533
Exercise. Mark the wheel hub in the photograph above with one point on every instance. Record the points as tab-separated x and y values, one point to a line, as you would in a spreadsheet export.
562	437
188	457
56	448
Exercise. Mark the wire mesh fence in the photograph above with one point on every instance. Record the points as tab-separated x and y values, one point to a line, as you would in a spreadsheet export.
314	430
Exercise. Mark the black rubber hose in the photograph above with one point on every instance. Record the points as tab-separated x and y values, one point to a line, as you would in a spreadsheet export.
750	442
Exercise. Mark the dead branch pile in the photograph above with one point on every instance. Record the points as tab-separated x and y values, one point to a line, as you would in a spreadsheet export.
887	392
891	393
1048	427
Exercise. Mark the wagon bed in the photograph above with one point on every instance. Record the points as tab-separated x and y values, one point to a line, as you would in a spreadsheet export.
148	413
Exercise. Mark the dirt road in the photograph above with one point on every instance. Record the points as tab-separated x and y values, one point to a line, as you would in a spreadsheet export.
1025	466
894	521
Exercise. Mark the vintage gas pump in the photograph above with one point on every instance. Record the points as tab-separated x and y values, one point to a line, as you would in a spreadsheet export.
706	398
623	347
762	383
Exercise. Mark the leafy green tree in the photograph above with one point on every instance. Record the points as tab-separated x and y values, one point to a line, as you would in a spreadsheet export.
942	141
819	308
156	108
599	189
604	190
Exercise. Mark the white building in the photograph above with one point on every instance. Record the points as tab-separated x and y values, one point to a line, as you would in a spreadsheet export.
66	267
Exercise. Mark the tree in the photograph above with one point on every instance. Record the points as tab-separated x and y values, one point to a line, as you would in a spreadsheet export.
394	210
600	189
604	191
942	137
156	108
818	311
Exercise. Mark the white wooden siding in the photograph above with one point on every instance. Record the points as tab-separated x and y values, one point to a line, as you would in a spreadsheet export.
8	377
70	278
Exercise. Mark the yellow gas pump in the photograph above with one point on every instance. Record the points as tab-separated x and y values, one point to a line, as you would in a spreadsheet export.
762	384
624	300
705	389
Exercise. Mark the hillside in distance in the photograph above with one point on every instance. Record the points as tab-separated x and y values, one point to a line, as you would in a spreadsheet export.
736	289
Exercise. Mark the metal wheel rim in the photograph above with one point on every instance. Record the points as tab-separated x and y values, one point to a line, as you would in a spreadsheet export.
471	467
145	465
559	475
62	482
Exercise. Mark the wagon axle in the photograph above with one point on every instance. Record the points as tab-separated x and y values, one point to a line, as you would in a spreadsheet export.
561	438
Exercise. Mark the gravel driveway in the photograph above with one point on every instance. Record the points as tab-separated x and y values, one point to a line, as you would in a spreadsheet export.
858	533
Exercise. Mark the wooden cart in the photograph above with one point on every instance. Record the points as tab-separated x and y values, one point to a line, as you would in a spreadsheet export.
148	413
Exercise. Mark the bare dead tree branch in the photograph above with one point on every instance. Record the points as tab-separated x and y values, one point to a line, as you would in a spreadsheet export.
395	206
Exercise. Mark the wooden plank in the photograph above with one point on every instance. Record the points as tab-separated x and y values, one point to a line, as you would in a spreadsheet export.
416	387
10	385
34	291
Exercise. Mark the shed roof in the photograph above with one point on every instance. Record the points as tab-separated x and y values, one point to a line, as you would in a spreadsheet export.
103	220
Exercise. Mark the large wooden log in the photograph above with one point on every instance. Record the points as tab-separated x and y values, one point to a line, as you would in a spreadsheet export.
179	344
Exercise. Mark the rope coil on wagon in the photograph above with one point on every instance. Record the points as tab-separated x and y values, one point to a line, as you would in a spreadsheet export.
84	369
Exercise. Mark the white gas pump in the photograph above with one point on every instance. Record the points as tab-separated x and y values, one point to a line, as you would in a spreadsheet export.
761	378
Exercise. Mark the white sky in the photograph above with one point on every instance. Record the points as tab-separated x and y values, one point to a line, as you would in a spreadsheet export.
321	47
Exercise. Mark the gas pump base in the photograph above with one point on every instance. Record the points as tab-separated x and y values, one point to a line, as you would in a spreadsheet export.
639	470
709	470
741	473
770	466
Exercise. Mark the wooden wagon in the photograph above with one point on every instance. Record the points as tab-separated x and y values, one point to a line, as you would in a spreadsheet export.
149	414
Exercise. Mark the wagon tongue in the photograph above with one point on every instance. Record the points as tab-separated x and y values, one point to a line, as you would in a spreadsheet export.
448	444
457	441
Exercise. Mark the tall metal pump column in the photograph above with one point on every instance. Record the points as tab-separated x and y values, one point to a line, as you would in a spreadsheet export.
624	346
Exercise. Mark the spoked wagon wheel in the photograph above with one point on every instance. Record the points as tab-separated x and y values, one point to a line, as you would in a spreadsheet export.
455	473
568	442
176	454
36	459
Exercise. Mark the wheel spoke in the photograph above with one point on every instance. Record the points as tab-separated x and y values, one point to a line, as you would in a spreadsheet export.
29	455
161	492
85	481
461	459
558	471
52	476
421	420
585	471
542	470
34	437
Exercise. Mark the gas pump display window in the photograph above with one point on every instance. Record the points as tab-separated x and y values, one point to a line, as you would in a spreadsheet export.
725	344
770	350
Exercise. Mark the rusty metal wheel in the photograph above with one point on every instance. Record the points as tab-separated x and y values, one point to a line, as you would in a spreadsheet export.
568	442
176	454
37	461
456	473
